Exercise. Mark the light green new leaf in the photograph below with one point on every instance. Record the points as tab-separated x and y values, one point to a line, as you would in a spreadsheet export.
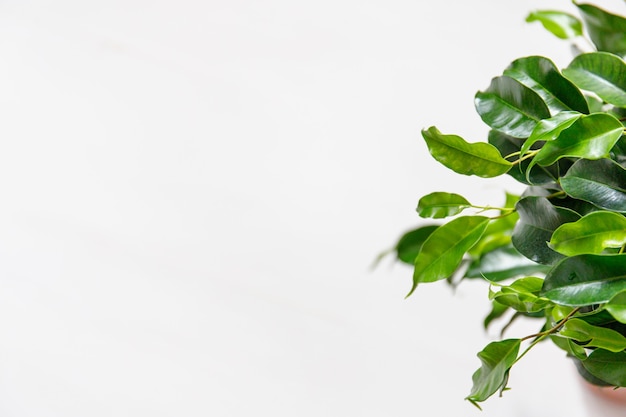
593	336
497	359
562	25
591	234
588	137
608	366
584	280
510	107
438	205
522	295
542	76
481	159
601	182
601	73
443	251
606	30
549	129
617	307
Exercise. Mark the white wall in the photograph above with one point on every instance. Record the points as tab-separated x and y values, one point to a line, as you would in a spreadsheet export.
193	192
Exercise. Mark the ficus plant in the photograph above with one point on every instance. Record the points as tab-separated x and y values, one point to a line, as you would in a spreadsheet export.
556	253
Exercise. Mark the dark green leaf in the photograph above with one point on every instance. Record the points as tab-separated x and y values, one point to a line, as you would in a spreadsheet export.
410	243
561	24
439	205
503	263
444	249
481	159
510	107
601	73
538	220
542	76
606	30
584	280
601	182
589	137
497	359
593	336
607	366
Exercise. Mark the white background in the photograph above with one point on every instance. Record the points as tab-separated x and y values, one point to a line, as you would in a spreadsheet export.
193	193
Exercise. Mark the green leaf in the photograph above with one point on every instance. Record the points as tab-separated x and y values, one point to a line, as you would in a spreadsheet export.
439	205
584	280
542	76
538	220
601	73
601	182
593	336
410	244
569	346
607	366
497	359
503	263
617	307
508	145
593	233
589	137
481	159
562	25
549	129
522	295
510	107
444	249
606	30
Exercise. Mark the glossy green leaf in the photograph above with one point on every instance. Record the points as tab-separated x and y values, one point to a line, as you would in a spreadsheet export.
510	107
584	280
521	295
601	73
607	366
503	263
601	182
617	307
496	359
444	249
593	336
606	30
481	159
589	137
538	220
410	243
549	129
593	233
439	205
542	76
562	25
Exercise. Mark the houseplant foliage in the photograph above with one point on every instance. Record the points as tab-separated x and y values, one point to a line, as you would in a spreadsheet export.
557	252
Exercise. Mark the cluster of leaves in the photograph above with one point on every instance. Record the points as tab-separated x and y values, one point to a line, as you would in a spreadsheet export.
557	252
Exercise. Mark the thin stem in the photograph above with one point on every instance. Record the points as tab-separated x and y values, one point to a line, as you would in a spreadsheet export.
525	157
542	335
